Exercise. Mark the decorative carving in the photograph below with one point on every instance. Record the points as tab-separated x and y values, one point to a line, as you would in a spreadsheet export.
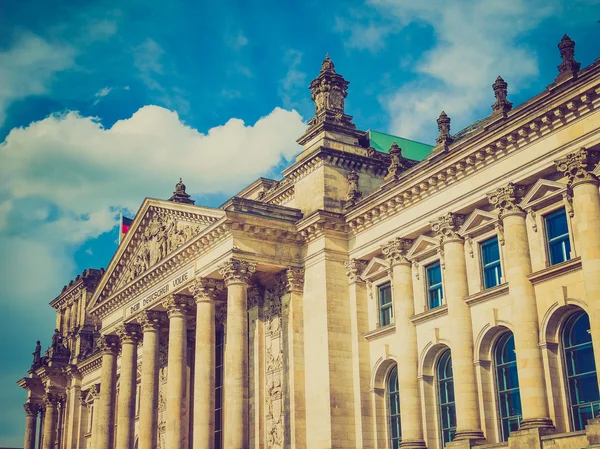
502	105
95	391
31	409
221	315
108	344
236	271
178	305
354	268
500	231
354	194
53	399
254	297
578	166
568	67
395	250
568	200
206	289
151	320
532	215
506	198
292	280
446	226
397	162
180	195
129	333
445	138
469	243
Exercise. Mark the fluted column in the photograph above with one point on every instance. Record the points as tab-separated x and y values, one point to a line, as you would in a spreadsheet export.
151	322
236	274
411	419
50	419
31	412
72	419
468	421
67	321
95	393
517	259
82	427
178	308
205	293
74	320
586	205
130	335
109	346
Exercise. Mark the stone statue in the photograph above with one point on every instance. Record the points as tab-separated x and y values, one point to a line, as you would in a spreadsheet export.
37	355
56	339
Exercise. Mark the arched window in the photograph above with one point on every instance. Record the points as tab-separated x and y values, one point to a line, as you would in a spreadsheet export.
394	409
507	385
445	383
580	370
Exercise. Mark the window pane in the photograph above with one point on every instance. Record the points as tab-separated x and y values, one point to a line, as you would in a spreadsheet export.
490	250
434	274
557	224
507	385
557	232
447	408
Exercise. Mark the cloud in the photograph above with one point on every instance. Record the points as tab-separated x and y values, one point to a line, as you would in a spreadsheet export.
147	59
292	86
101	94
369	37
28	67
237	41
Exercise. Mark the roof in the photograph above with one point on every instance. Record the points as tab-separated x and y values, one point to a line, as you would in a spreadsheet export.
410	148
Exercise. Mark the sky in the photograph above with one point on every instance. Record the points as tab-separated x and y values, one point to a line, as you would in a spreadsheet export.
106	102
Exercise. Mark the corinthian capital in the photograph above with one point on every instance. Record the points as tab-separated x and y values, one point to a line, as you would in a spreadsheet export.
205	289
129	333
108	344
31	409
53	399
295	279
578	166
354	268
236	271
507	198
446	226
178	305
152	320
395	250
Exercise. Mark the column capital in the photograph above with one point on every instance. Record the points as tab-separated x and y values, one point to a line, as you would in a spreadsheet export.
507	198
178	305
152	320
108	344
446	226
293	279
129	333
236	271
255	298
578	166
53	399
395	250
95	391
82	400
354	268
31	409
205	289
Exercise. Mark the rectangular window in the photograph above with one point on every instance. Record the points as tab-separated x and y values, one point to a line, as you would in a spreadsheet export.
435	293
385	304
490	259
557	233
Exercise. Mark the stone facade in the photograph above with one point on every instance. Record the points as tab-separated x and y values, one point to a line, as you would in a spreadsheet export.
366	300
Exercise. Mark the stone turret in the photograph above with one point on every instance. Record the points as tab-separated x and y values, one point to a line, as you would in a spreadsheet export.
568	67
180	195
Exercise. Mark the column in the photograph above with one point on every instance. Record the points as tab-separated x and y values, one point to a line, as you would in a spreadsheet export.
72	421
50	419
517	266
109	346
151	322
178	308
468	421
205	293
31	412
236	274
129	334
41	432
95	392
577	167
67	321
411	419
74	315
83	423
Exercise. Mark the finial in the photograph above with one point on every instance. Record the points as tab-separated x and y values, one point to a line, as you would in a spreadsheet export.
180	195
327	65
568	67
396	165
445	138
502	105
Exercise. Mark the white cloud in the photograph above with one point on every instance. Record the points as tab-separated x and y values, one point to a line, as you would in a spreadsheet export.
147	59
101	94
370	36
293	87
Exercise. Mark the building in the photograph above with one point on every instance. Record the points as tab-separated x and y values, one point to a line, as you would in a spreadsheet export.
366	300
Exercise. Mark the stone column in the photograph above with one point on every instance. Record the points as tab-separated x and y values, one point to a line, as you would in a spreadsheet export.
72	421
411	419
178	308
517	266
95	392
205	293
50	419
74	321
83	423
109	346
31	412
130	335
468	420
67	321
577	167
236	274
151	322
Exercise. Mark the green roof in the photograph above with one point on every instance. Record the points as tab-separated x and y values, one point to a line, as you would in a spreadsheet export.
410	149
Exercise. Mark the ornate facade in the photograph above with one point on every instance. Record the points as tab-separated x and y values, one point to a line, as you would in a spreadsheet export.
366	300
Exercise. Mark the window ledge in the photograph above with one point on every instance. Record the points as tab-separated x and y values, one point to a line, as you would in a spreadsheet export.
555	270
430	314
487	294
381	332
558	436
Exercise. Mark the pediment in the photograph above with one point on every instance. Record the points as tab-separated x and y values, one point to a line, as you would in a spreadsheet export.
423	247
543	192
159	229
376	268
479	220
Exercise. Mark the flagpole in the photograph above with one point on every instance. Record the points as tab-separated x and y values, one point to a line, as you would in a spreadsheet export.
120	226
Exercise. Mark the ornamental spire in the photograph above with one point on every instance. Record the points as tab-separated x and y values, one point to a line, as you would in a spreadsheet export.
445	138
568	67
180	195
502	105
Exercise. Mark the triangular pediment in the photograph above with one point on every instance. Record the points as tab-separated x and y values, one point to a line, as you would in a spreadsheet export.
422	247
159	229
376	268
479	220
543	192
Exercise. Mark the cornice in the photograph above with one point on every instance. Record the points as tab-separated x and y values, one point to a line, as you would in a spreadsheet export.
380	332
319	223
487	294
90	364
555	271
429	315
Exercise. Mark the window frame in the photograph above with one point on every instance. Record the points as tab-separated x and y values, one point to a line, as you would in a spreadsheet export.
388	306
391	416
428	288
449	404
546	214
496	346
480	245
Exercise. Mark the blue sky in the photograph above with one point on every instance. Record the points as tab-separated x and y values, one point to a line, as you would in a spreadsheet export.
109	102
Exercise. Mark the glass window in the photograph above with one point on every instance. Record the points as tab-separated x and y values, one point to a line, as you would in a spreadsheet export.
507	385
385	304
219	389
394	409
557	232
435	293
490	259
580	370
446	397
